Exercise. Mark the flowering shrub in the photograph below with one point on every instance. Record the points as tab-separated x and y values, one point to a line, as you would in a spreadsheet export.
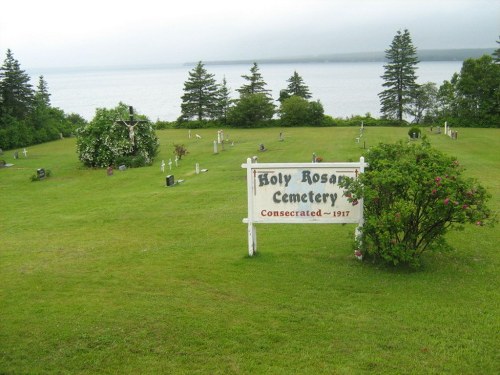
106	140
413	194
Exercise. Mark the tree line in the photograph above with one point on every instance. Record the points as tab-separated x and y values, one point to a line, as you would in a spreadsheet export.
206	100
471	98
26	114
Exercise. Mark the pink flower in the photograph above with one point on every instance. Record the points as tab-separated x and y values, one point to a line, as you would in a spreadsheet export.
446	201
434	191
355	202
438	180
479	223
465	206
358	254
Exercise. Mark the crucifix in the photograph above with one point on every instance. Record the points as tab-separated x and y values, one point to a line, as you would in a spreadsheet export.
131	124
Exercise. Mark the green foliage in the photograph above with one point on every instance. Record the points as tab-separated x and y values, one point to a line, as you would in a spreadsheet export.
399	76
256	83
471	98
414	132
26	116
297	111
413	194
107	141
200	94
423	105
16	93
477	92
296	87
496	54
251	110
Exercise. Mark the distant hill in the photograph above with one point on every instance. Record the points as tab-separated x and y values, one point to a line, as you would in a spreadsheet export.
423	55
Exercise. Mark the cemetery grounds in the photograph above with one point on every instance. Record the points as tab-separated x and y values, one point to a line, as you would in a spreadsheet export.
120	274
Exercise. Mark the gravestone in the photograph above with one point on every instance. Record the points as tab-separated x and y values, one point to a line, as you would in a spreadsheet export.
262	147
122	167
25	152
169	181
40	173
109	171
162	167
1	151
16	155
197	168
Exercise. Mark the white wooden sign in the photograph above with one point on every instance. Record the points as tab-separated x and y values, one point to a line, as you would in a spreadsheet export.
300	193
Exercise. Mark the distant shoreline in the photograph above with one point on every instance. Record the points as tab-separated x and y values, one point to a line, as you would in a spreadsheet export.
460	54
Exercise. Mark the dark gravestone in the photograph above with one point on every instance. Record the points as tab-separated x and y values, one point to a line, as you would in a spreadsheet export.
40	173
169	181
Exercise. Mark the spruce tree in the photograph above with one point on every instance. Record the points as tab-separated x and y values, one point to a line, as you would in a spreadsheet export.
496	54
256	83
42	96
296	87
16	93
199	100
399	76
223	97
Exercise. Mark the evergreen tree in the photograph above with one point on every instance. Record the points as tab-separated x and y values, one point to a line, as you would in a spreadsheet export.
42	96
296	87
223	101
399	76
496	54
255	104
199	99
256	83
16	93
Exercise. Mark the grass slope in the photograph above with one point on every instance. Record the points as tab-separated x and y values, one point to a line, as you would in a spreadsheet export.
120	274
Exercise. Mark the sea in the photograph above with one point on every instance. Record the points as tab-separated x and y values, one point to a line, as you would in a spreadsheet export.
344	89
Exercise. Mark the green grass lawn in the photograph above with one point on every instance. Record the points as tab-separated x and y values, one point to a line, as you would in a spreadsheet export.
123	275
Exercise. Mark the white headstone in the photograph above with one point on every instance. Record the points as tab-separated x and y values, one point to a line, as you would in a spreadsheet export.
170	164
176	160
215	147
197	168
162	167
25	152
189	133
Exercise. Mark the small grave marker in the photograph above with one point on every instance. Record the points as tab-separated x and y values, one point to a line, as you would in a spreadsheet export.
109	171
169	181
197	168
162	167
25	152
40	173
170	164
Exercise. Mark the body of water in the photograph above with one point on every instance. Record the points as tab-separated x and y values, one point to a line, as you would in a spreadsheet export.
344	89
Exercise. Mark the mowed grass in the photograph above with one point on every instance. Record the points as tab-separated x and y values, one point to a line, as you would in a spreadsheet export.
122	275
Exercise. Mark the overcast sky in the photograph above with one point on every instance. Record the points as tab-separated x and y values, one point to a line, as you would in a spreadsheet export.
55	33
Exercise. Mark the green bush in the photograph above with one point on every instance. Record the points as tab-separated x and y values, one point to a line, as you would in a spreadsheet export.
107	141
414	132
413	194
